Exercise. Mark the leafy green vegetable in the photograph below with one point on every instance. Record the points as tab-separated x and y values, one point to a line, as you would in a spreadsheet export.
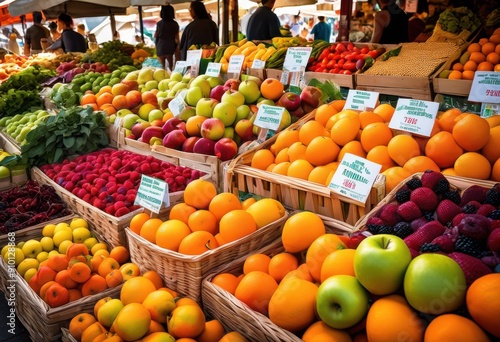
456	20
329	90
72	131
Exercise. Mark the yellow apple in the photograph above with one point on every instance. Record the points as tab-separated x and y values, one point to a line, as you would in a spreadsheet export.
48	230
98	246
47	243
42	256
108	312
26	264
31	248
159	304
29	274
129	270
78	222
81	234
15	254
63	246
61	236
90	242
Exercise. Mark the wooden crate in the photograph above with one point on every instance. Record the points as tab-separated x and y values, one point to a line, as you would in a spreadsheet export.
341	80
410	87
451	87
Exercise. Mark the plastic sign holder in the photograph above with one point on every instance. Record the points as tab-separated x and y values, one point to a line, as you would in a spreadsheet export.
354	177
193	58
294	66
486	89
235	65
152	194
181	67
213	69
414	116
177	104
361	100
268	118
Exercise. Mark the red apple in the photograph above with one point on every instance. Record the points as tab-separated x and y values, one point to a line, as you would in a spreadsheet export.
225	149
150	132
310	96
217	92
174	139
290	101
170	125
138	128
212	128
188	144
244	128
204	146
233	83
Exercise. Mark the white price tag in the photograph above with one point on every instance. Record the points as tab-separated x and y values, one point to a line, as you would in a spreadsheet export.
235	64
181	67
414	116
193	57
297	57
354	177
152	194
490	109
284	76
177	104
213	69
485	87
361	100
258	64
269	117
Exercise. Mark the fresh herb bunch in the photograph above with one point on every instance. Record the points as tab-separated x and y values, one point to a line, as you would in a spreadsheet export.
456	20
28	79
72	131
15	101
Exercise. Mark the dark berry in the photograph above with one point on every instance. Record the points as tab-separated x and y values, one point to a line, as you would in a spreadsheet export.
453	196
442	186
429	215
403	195
429	248
467	245
402	229
469	208
492	197
494	215
414	183
385	229
373	228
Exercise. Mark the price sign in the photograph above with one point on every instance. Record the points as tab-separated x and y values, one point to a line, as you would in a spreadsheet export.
284	76
269	117
213	69
414	116
235	64
361	100
177	104
490	109
354	177
152	194
181	67
258	64
297	57
485	87
193	58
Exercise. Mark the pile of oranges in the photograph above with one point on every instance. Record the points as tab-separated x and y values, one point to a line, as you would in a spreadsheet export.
483	56
462	144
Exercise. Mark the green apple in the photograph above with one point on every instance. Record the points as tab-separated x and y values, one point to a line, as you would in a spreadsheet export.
202	84
42	256
236	98
187	113
242	112
4	172
228	132
26	264
132	76
263	100
380	263
150	85
112	118
145	75
435	284
193	95
341	301
90	242
255	79
225	112
205	107
31	248
20	244
81	234
215	81
108	311
186	78
172	84
176	76
162	94
286	121
160	74
250	91
179	86
155	114
122	112
163	84
47	243
129	120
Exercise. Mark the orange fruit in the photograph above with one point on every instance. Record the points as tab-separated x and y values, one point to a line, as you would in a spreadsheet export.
402	148
120	254
284	139
281	168
443	149
488	48
271	89
213	331
474	47
236	224
495	38
256	262
320	331
391	317
271	167
495	171
345	130
493	58
319	174
472	165
318	250
155	278
367	118
483	302
149	228
393	176
477	57
324	112
297	239
79	323
203	220
375	134
420	164
472	132
457	66
199	193
262	159
485	66
385	110
137	222
296	151
380	155
321	151
281	264
266	211
281	156
455	74
338	105
446	120
186	321
470	65
468	75
181	212
223	203
197	243
311	130
300	169
247	203
136	289
338	262
88	99
104	98
452	327
344	114
255	289
232	336
226	281
170	234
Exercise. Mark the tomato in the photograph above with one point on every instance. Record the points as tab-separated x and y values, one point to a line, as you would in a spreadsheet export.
337	57
355	49
341	62
320	69
373	54
349	66
324	54
325	61
347	72
350	46
364	50
336	70
333	47
340	48
331	56
332	71
330	64
352	56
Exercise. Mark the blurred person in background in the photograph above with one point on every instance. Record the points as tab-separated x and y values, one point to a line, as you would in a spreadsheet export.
244	20
202	30
416	23
295	26
55	35
391	24
322	30
34	35
13	45
167	37
71	41
264	24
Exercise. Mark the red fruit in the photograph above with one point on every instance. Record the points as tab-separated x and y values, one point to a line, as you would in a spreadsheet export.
388	213
409	211
424	198
122	211
456	220
146	169
430	178
110	209
418	223
425	234
485	209
474	226
446	211
375	220
494	240
473	193
445	243
473	268
356	238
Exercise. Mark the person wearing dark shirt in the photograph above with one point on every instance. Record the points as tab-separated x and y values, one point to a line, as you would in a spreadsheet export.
70	41
202	30
322	30
167	36
416	23
34	35
264	23
391	24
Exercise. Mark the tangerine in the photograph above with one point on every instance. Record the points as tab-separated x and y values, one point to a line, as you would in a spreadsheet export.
385	110
199	193
149	228
170	234
311	130
223	203
380	155
443	149
472	132
256	262
321	151
181	212
402	148
197	243
255	289
483	303
297	239
281	264
226	281
452	327
272	89
472	165
262	159
375	134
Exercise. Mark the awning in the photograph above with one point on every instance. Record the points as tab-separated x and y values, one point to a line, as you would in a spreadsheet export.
75	8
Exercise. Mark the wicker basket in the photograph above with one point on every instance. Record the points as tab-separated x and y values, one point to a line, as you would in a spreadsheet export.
456	183
297	194
184	273
66	336
237	316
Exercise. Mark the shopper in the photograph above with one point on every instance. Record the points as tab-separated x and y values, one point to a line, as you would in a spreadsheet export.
295	26
71	41
34	35
202	30
264	23
54	33
322	30
416	23
391	24
167	37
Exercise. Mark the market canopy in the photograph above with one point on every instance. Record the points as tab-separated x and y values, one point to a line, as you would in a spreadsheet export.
75	8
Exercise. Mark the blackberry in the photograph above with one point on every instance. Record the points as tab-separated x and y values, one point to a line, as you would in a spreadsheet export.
403	195
402	229
373	228
467	245
469	208
414	183
492	197
385	229
2	206
429	248
429	215
442	186
495	214
453	196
